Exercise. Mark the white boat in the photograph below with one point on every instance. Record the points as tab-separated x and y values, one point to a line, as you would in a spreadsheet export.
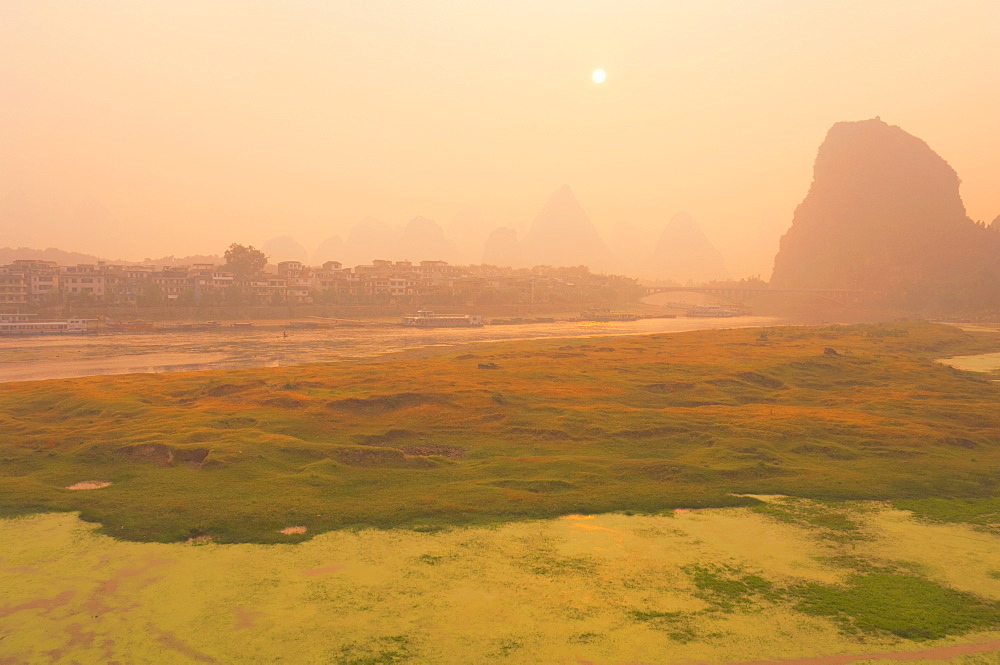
428	319
26	324
717	311
597	314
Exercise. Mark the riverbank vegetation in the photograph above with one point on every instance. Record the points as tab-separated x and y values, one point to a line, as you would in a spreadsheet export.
516	430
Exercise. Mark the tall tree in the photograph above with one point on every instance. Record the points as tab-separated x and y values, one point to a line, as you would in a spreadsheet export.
244	261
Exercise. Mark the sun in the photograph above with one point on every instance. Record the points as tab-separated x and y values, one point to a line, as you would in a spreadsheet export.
598	76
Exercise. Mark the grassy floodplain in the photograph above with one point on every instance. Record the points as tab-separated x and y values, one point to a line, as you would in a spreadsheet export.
843	486
640	423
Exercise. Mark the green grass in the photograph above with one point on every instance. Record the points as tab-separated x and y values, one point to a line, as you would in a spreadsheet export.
906	606
981	511
641	423
727	588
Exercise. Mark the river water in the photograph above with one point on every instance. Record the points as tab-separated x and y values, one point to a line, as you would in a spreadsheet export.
59	357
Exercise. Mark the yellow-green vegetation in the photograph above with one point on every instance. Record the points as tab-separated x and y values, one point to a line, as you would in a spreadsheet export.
546	428
727	585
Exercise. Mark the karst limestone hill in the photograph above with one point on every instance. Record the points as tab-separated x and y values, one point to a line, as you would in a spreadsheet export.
684	253
563	235
503	248
884	215
284	248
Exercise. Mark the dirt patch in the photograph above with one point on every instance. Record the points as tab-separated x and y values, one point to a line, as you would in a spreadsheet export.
536	486
761	380
958	442
285	402
45	604
935	653
389	437
292	530
668	387
88	485
536	433
650	432
833	452
386	458
236	422
424	450
163	455
108	589
171	641
245	617
231	389
385	403
199	540
322	571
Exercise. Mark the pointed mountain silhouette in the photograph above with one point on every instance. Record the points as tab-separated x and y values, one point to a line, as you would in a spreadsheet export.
563	235
503	249
469	230
369	239
284	248
331	249
423	240
684	253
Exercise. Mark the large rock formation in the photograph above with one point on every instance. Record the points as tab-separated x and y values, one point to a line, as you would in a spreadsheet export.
423	240
331	249
684	253
563	235
469	230
369	239
503	249
884	215
284	248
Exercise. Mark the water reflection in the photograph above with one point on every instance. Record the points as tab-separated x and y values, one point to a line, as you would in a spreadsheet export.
33	358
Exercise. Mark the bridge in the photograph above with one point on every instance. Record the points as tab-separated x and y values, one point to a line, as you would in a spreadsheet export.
736	293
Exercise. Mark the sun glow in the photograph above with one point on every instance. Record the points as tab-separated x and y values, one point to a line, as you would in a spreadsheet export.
598	76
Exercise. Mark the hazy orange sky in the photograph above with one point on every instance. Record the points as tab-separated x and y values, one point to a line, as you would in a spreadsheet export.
144	128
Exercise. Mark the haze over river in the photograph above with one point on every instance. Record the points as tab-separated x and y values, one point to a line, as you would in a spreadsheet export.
60	357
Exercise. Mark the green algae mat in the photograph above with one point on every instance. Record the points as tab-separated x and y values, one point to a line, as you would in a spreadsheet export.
525	430
787	581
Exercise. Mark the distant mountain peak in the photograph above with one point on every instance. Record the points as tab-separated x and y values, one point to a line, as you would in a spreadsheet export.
284	248
563	235
684	252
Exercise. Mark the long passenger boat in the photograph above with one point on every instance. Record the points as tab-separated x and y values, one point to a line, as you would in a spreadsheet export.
428	319
26	324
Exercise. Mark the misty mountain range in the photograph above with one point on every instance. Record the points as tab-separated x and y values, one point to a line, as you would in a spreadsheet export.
560	235
883	215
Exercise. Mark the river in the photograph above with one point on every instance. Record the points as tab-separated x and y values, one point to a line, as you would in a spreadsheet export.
60	357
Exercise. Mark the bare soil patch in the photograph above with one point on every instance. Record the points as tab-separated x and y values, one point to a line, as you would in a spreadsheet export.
88	485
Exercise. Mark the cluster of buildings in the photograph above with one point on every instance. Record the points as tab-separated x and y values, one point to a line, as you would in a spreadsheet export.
39	283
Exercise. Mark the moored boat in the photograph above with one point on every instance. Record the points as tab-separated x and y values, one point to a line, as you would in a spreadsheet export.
26	324
605	315
428	319
717	311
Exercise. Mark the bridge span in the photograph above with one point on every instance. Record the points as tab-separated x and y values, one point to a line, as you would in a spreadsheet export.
738	293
